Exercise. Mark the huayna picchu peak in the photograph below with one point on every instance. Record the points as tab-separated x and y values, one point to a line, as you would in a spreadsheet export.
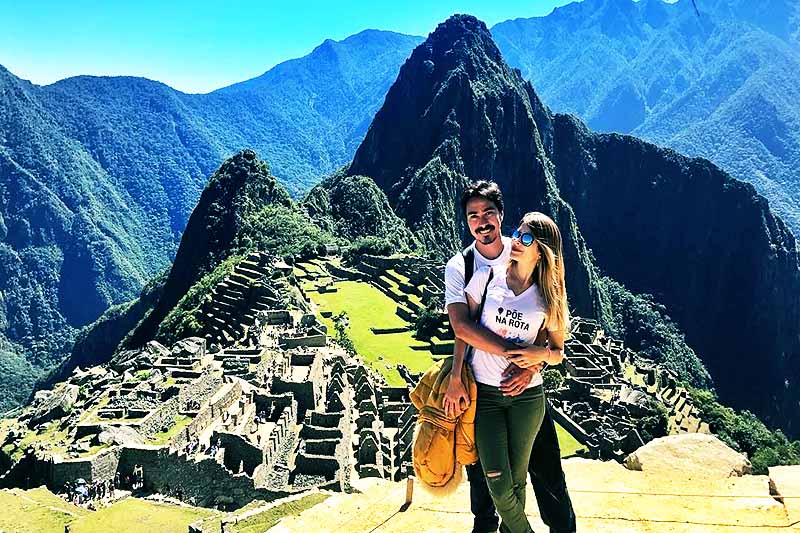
457	112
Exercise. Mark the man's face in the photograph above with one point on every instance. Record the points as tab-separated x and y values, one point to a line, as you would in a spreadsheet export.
484	220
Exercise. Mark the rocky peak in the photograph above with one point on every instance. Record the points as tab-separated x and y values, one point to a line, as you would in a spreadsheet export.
457	112
242	185
449	81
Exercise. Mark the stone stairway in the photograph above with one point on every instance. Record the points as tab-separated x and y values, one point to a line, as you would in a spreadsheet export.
232	306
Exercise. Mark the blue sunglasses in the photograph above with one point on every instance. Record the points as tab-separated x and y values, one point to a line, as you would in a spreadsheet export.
525	238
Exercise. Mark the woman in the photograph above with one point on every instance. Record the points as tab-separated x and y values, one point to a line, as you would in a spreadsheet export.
516	300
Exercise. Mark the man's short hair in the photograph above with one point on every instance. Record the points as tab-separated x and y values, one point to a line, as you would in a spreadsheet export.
488	190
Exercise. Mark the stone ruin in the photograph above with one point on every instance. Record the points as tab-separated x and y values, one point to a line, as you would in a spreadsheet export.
602	407
273	409
265	405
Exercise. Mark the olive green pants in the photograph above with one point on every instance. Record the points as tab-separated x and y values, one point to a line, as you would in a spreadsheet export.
505	428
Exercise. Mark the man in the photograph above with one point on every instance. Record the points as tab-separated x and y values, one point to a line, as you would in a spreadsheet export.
482	205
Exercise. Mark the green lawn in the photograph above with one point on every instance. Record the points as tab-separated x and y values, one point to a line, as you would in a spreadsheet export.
394	274
368	307
161	438
267	519
569	446
133	515
310	268
35	510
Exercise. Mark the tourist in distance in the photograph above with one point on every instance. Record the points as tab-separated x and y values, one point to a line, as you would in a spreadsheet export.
525	301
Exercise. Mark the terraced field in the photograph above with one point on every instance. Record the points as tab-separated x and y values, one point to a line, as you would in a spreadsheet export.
367	308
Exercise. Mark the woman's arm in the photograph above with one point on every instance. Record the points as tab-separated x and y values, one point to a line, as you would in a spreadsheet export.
528	356
555	343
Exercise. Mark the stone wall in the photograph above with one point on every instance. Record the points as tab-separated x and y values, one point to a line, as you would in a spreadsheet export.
344	273
101	466
163	417
206	415
205	482
316	341
160	419
239	452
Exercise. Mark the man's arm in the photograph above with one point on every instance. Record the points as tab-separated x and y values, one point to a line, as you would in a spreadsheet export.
473	333
456	398
515	379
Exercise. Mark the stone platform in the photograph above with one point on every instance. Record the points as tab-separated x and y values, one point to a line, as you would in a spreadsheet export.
607	498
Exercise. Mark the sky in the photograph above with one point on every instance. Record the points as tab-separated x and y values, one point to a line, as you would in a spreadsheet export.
198	46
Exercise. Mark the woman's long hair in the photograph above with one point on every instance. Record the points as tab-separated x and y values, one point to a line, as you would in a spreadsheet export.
549	271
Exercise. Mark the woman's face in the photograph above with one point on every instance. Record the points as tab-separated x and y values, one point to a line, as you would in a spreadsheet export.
524	255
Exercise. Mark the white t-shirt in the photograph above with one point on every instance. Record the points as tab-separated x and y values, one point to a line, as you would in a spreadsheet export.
454	272
516	318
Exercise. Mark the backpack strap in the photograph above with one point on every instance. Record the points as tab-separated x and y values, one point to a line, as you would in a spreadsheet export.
469	263
469	350
485	290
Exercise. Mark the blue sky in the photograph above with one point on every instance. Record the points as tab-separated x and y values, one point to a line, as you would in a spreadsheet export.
199	46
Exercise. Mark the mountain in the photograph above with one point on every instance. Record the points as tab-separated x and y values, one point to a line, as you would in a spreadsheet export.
458	111
705	245
718	84
329	96
72	242
100	176
234	200
353	207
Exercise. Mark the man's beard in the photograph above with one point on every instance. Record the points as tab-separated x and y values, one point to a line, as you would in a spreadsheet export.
490	237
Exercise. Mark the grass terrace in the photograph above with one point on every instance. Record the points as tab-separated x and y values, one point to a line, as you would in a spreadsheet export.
163	437
36	510
134	515
567	443
261	521
367	307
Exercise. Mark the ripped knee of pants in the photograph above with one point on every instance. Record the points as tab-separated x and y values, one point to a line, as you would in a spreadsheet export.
493	474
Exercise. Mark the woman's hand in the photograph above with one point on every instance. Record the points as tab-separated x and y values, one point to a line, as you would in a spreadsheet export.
453	398
526	356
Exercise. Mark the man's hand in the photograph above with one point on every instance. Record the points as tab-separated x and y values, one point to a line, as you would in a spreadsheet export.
516	379
456	399
527	356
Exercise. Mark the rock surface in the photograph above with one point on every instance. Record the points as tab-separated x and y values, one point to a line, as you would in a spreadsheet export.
138	359
785	481
121	435
190	347
606	496
52	405
694	455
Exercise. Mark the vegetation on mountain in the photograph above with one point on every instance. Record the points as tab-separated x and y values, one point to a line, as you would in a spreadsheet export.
705	245
648	330
744	432
429	320
719	85
354	207
185	319
366	246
